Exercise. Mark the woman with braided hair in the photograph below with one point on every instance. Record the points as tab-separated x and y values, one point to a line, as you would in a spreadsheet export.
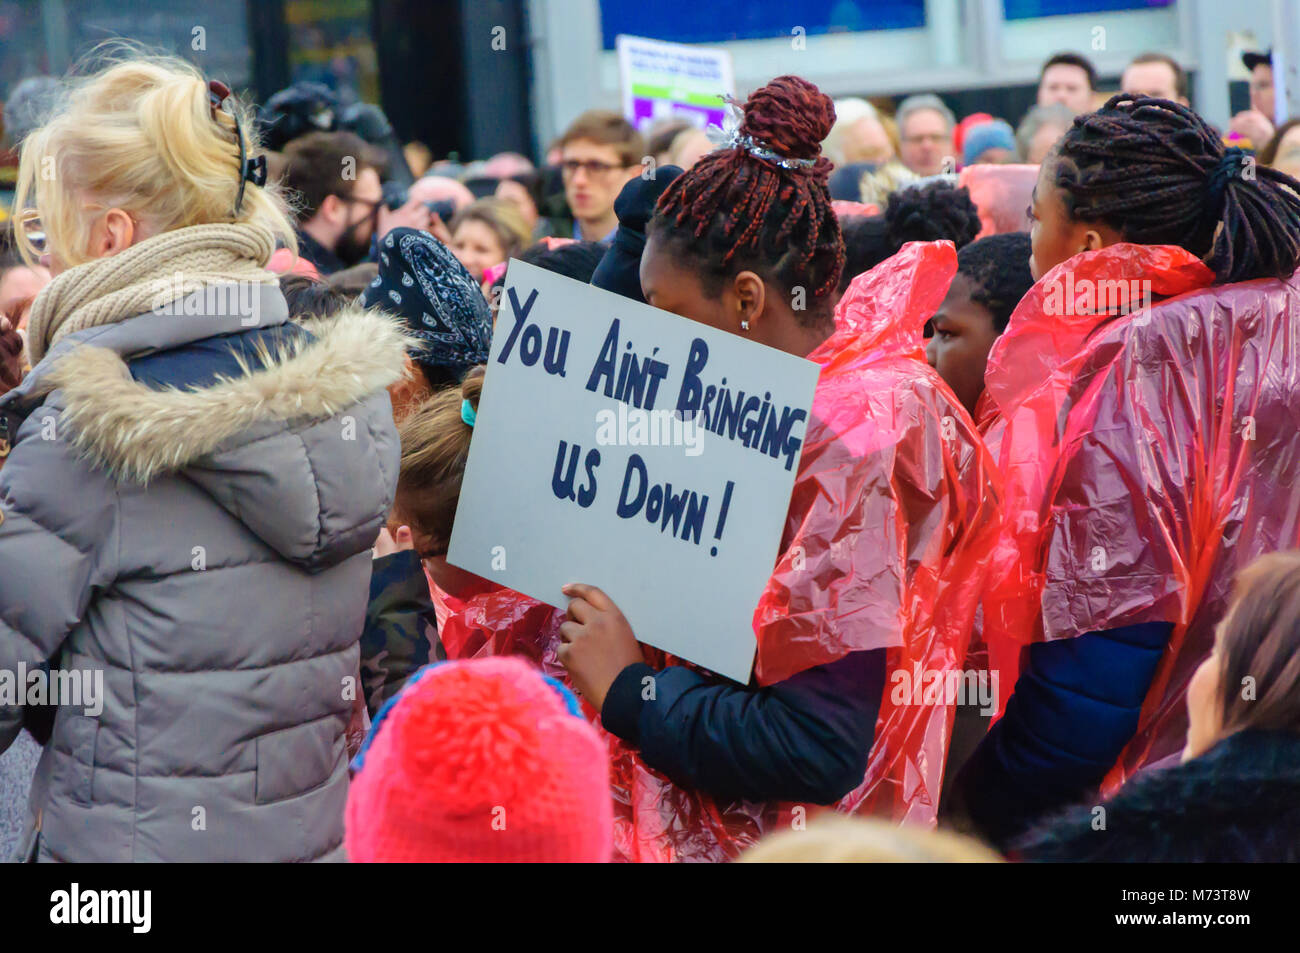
1145	424
879	568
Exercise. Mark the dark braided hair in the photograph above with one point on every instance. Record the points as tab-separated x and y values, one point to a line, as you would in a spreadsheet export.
997	268
734	211
1159	175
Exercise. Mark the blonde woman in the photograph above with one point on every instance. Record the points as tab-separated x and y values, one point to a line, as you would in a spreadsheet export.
192	491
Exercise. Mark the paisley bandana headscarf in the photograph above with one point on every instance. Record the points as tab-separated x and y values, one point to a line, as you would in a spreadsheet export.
421	282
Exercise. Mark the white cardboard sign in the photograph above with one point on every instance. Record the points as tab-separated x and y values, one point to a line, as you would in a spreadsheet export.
582	468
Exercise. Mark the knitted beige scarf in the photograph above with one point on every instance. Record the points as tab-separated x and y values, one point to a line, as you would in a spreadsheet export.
147	276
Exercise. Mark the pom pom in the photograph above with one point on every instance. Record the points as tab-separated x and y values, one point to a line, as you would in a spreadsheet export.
470	735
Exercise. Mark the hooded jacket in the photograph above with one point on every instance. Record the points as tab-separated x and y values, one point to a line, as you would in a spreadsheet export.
187	514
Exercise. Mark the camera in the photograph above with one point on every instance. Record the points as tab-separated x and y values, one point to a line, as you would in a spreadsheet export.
396	195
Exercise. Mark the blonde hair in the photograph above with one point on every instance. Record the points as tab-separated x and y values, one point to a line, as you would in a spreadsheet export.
139	134
836	839
876	187
435	442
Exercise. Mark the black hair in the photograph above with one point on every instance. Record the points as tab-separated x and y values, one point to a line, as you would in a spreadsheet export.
919	213
311	298
1071	59
997	268
576	260
1159	175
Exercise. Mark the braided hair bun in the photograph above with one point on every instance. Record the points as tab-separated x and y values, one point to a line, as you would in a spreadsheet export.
791	116
762	205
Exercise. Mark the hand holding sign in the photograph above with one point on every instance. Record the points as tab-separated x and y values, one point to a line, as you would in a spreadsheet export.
598	642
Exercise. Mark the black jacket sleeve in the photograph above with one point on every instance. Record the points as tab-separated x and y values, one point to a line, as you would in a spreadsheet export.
804	739
1075	707
401	628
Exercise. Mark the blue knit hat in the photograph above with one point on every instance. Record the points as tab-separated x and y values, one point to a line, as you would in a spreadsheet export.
995	134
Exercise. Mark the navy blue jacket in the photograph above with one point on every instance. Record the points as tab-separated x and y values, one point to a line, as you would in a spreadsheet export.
1075	707
1237	803
804	739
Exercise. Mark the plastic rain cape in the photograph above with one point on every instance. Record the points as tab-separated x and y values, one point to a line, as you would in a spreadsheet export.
1148	454
885	546
1002	194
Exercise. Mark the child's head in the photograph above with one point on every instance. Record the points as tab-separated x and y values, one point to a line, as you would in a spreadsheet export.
1252	678
1152	172
134	150
435	439
836	839
481	761
992	276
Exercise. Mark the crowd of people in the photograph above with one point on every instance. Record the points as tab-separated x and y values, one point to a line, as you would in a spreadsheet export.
1050	452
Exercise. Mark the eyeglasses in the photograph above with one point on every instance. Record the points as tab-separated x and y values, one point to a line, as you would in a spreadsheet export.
593	167
372	210
935	138
29	220
33	230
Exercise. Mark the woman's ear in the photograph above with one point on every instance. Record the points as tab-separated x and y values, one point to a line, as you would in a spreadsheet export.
409	390
751	298
117	233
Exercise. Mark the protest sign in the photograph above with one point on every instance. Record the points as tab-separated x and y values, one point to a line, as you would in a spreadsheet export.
637	451
672	79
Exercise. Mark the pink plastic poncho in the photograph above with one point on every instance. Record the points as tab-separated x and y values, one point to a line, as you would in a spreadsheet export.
893	513
1002	194
1147	457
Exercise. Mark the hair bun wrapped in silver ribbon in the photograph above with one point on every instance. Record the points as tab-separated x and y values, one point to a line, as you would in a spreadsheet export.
729	136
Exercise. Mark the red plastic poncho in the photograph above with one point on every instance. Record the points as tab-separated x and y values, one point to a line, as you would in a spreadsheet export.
892	515
844	208
1147	458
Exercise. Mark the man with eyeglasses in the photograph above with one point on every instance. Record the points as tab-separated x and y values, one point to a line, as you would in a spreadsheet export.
336	178
925	127
599	153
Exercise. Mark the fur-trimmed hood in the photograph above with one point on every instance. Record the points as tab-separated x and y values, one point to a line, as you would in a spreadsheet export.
138	433
1240	801
293	436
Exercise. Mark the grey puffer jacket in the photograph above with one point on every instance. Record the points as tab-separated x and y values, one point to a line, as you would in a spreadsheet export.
189	511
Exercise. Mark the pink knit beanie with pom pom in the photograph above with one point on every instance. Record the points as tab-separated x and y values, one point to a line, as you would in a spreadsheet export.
484	761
